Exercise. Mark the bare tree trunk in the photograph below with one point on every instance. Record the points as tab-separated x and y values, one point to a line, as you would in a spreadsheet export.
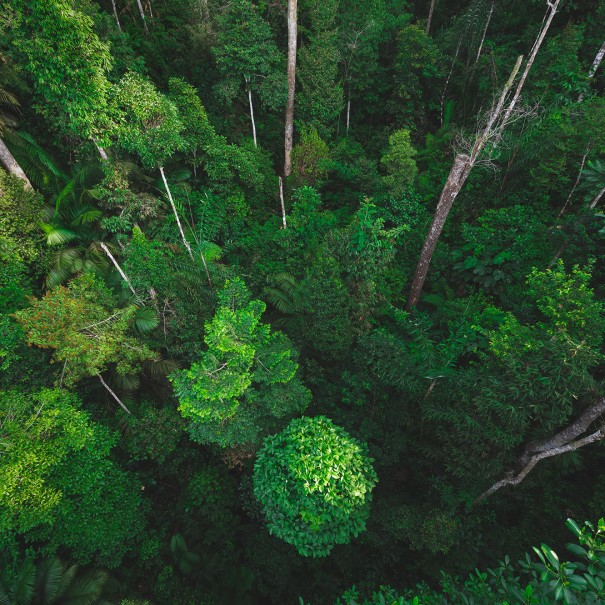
565	441
142	15
597	199
447	81
461	168
289	129
176	214
455	180
251	111
348	109
430	19
119	269
8	161
575	185
281	199
101	151
108	388
489	18
115	12
597	61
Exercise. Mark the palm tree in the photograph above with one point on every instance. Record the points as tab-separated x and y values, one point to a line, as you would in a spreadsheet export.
50	582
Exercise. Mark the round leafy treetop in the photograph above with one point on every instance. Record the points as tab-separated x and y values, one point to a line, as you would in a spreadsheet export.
314	484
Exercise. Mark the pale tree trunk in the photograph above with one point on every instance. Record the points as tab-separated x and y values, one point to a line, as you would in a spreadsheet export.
115	13
449	76
281	199
142	12
348	108
289	129
461	168
251	110
575	185
463	164
109	390
430	19
119	269
176	214
8	161
489	18
561	443
597	61
597	199
101	151
595	65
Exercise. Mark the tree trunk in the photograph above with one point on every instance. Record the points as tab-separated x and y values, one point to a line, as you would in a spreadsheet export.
119	269
455	180
597	199
575	185
461	168
348	109
108	388
289	129
115	12
8	161
596	62
251	111
281	199
176	214
430	19
489	18
564	441
142	15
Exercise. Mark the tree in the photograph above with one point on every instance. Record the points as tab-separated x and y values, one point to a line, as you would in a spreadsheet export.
489	136
398	161
245	382
292	39
246	54
86	330
152	129
55	475
314	483
68	64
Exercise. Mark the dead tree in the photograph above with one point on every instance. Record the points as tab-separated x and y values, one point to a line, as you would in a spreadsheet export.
501	114
289	130
568	440
593	68
430	19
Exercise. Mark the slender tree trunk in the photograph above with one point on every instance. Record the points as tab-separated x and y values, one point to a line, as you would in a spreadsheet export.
430	19
575	185
461	168
348	109
142	16
447	81
597	61
8	161
119	269
251	111
593	68
176	214
115	13
597	199
101	151
289	129
281	199
489	18
108	388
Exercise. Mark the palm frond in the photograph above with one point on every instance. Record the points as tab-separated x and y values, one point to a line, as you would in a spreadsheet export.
146	320
49	580
56	236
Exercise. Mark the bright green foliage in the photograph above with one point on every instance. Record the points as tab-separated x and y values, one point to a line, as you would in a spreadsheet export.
150	126
197	133
68	64
58	485
314	484
86	331
246	54
51	582
20	213
398	161
245	381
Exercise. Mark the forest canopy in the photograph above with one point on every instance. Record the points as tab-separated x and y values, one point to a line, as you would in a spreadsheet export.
302	302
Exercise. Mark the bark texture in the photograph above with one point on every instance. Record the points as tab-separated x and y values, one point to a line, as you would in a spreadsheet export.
176	214
289	129
8	161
